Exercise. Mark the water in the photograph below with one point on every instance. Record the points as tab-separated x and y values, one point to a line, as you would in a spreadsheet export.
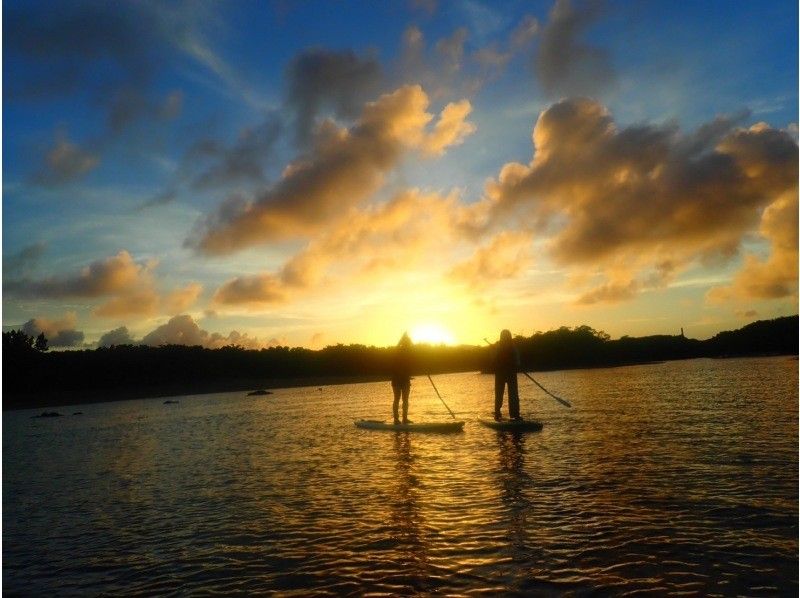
677	478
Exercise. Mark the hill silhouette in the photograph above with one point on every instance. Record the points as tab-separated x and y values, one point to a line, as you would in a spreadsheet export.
35	377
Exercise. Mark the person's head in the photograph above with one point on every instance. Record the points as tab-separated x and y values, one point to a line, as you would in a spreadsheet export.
405	341
505	336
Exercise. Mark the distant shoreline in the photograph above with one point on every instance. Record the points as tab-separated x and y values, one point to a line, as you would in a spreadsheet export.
87	397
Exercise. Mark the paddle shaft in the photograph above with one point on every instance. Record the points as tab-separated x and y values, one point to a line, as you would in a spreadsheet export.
559	399
440	396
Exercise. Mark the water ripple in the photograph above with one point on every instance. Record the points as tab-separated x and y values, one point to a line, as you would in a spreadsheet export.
670	479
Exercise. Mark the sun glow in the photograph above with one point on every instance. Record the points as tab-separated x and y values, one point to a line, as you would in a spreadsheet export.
433	334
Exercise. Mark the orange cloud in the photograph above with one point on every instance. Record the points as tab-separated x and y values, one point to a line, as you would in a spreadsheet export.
775	277
136	303
503	257
344	168
182	299
183	330
129	286
451	129
112	275
632	199
60	332
385	238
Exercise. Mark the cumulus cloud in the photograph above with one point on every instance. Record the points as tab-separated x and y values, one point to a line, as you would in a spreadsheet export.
502	258
631	200
211	164
776	276
183	330
128	286
386	238
137	302
116	274
59	332
118	336
264	288
182	299
451	129
450	66
565	65
65	162
320	79
344	168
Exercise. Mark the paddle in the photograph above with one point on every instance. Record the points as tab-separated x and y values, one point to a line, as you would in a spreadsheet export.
559	399
440	396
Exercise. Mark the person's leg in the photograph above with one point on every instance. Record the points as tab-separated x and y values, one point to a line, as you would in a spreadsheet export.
498	395
406	392
395	404
513	396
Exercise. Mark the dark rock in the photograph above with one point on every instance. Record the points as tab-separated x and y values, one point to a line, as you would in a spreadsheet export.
171	402
49	414
258	393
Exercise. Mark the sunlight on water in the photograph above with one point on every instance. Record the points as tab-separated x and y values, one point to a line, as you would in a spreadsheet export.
670	478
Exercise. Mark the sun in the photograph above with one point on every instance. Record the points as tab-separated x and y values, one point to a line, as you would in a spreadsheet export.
432	334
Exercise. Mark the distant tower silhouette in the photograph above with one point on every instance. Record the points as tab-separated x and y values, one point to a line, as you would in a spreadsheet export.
681	330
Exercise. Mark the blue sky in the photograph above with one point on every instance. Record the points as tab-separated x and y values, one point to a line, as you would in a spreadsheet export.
307	173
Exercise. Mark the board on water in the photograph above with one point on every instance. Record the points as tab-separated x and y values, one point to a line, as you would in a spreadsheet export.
512	425
440	427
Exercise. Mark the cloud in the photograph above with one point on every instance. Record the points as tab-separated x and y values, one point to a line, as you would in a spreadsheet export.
20	263
257	289
179	330
129	105
631	200
565	66
612	292
451	129
118	336
59	332
183	330
387	238
113	275
344	168
137	302
320	79
129	287
502	258
214	165
65	162
776	276
182	299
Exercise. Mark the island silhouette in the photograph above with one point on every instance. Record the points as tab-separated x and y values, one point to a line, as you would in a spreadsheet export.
36	377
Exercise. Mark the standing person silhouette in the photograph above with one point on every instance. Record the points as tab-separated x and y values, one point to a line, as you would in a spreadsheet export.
506	366
401	377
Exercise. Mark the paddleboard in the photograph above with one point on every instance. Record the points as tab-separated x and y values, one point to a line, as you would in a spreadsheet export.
441	427
511	425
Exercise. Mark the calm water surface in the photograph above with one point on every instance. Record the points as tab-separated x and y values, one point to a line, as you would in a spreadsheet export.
677	478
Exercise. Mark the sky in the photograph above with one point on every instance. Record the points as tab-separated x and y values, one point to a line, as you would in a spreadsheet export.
308	173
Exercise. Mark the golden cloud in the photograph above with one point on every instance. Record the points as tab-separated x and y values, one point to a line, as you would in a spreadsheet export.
129	286
388	237
503	257
344	168
630	199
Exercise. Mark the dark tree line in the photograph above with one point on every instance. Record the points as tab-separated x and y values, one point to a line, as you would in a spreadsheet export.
32	376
